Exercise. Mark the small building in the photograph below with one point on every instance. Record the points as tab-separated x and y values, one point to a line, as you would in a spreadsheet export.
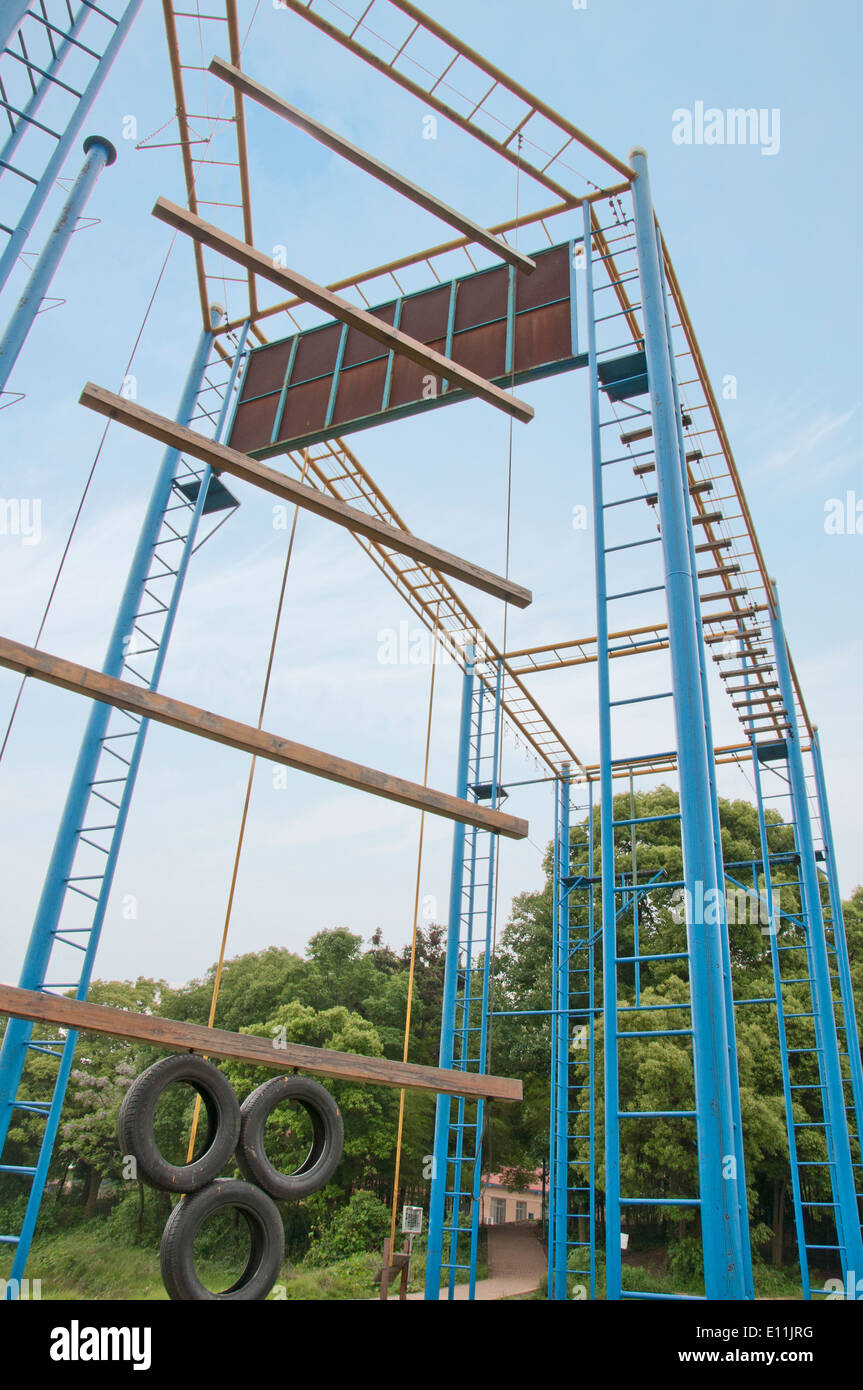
500	1203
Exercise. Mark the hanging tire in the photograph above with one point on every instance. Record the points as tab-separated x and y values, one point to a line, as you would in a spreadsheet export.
135	1127
328	1138
267	1243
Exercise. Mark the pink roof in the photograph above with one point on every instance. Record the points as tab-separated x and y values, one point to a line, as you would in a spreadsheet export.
497	1180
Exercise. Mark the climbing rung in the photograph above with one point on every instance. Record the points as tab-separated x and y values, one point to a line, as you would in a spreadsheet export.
657	1114
658	1033
660	1201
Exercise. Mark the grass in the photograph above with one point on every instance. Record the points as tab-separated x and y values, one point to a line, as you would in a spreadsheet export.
85	1264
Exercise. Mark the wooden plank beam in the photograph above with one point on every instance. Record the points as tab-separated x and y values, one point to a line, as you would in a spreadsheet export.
242	83
241	1047
247	256
83	680
223	459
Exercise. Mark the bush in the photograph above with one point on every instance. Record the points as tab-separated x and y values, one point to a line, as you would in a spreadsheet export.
685	1260
355	1229
353	1278
123	1220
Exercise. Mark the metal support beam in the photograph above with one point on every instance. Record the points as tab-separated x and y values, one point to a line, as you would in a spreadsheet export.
98	154
844	1195
611	1080
715	1077
437	1205
11	20
55	164
559	1181
849	1013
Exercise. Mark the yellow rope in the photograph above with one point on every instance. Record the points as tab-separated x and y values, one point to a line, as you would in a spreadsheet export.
242	832
412	970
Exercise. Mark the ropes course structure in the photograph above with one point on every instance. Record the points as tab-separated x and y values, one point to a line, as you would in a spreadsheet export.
680	581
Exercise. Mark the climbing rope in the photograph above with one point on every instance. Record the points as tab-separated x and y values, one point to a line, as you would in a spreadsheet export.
412	970
84	494
217	982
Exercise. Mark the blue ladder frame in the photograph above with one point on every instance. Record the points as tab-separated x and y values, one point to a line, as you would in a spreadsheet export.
721	1185
81	871
454	1214
24	33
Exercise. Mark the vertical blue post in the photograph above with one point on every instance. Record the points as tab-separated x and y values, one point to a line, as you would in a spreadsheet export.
553	1073
848	1218
738	1180
44	84
715	1079
437	1205
606	813
560	1023
55	164
787	1093
18	1031
849	1013
11	20
98	155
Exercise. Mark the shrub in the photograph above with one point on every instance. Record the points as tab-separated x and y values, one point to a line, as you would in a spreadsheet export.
685	1260
355	1229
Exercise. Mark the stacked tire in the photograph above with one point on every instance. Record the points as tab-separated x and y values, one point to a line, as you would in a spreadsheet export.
233	1130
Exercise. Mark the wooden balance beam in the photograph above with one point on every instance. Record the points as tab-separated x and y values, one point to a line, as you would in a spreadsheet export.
83	680
168	1033
361	159
222	458
255	261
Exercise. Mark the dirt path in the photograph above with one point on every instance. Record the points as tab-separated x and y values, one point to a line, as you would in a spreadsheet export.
516	1264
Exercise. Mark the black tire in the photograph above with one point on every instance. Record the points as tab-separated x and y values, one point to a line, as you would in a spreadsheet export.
328	1138
177	1251
137	1114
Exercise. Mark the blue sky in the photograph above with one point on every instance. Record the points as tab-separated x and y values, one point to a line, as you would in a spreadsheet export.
763	248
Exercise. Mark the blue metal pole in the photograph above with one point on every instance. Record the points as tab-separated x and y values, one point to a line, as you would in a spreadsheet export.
825	1020
11	20
720	1205
52	1125
562	1024
18	1032
43	86
606	814
591	1035
437	1205
486	982
787	1093
55	164
738	1180
98	154
849	1014
553	1034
